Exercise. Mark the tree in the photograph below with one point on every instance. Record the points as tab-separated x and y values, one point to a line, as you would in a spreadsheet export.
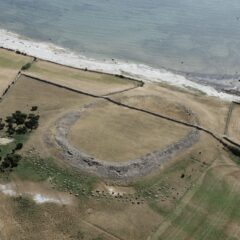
19	117
10	161
26	66
10	119
10	131
2	125
21	130
19	146
32	122
34	108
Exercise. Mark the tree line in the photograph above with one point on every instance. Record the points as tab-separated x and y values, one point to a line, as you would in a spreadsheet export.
18	123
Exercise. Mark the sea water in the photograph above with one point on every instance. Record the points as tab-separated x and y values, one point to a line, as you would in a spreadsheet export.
171	40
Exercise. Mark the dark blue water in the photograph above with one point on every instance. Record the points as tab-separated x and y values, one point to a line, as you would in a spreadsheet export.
185	35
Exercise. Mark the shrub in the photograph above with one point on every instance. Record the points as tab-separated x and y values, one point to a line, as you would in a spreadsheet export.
10	161
26	66
2	125
21	130
183	175
34	108
19	146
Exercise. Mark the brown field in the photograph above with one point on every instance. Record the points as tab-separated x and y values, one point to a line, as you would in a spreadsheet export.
211	112
234	124
10	65
194	196
93	83
113	133
52	102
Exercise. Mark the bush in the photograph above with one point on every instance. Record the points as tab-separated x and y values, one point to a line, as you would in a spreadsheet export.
10	161
234	150
19	117
11	131
26	66
10	119
34	108
21	130
19	146
2	125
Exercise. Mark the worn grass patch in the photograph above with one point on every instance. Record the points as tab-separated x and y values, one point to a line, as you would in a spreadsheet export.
25	207
63	179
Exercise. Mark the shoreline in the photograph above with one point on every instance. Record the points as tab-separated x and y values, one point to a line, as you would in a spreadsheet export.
137	72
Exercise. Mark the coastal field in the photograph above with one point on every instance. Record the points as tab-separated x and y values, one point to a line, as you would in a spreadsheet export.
10	64
89	82
183	105
146	162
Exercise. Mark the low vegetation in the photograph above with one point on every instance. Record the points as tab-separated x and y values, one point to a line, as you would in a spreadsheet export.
64	179
26	66
25	207
17	126
164	191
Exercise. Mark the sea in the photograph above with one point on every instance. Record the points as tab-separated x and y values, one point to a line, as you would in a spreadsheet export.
187	43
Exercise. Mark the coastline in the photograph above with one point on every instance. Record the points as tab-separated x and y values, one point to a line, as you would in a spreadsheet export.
139	72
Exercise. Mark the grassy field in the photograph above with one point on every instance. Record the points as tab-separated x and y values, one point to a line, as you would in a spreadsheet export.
63	179
194	196
212	213
10	65
114	133
52	102
155	103
182	105
94	83
208	208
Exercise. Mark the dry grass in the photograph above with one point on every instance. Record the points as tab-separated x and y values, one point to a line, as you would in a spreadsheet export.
51	101
157	104
210	111
94	83
204	204
114	133
211	211
21	218
125	221
234	124
10	64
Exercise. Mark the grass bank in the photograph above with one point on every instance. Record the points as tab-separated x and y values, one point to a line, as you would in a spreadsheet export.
64	179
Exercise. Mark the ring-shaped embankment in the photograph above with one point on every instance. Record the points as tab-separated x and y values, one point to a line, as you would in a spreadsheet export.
113	169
